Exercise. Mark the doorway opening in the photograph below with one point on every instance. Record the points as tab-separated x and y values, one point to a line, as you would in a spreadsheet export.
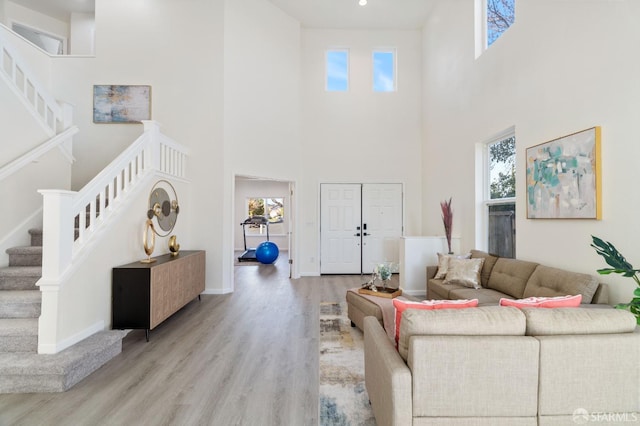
263	205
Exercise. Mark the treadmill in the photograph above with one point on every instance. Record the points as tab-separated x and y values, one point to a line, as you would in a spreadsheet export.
249	254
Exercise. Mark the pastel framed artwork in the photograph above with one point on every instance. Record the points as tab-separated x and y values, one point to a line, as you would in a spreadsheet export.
564	177
121	104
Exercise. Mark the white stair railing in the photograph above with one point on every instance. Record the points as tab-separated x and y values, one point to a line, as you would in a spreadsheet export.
60	141
72	219
49	113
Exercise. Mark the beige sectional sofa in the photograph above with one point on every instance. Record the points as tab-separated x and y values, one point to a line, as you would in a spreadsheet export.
495	365
517	279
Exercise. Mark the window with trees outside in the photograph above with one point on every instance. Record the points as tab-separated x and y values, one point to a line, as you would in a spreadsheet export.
272	209
500	204
500	16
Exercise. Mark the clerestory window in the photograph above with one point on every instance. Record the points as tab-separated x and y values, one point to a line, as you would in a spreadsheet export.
337	70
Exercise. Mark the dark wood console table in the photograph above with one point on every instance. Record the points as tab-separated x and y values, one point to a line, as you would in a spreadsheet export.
145	294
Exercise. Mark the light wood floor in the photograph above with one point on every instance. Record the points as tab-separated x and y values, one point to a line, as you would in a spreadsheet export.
246	358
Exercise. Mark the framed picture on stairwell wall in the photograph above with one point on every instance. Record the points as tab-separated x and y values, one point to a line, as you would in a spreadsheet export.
121	103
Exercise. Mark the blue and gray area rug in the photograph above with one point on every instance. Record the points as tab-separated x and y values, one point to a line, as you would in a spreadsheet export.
343	397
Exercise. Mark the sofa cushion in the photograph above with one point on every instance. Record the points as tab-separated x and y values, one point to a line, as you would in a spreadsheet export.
485	296
465	272
474	380
548	281
402	305
443	263
480	321
541	322
544	302
597	372
510	276
487	266
437	289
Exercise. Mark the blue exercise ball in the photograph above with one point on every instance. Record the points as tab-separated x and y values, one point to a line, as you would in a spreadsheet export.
267	252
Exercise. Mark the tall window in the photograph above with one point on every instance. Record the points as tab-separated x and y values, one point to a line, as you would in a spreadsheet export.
498	207
384	71
272	209
500	15
337	70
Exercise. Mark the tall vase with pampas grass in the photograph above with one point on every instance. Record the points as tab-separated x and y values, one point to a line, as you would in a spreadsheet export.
447	220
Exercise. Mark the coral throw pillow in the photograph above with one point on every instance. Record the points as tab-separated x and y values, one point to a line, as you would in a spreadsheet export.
402	305
544	302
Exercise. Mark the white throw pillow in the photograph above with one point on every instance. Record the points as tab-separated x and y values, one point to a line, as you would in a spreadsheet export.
465	272
443	263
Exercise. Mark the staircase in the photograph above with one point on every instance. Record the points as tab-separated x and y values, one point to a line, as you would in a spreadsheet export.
22	370
20	298
32	317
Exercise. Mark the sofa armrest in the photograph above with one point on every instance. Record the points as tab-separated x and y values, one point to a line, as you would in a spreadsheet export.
431	271
387	377
601	296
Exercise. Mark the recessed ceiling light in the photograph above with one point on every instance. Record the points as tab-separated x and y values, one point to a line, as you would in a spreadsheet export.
362	2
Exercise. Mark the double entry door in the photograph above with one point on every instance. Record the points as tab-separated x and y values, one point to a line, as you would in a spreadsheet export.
360	226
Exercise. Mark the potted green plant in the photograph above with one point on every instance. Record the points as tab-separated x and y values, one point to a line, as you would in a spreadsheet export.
619	265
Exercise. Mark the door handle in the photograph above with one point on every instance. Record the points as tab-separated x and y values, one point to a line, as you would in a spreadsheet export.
357	235
365	234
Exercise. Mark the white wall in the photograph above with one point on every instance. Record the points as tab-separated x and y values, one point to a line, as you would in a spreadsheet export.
576	71
358	136
23	203
184	68
252	188
82	34
261	102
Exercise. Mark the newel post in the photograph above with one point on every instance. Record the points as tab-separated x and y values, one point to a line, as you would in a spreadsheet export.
57	249
152	130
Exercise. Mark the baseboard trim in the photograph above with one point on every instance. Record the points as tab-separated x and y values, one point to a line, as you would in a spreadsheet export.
415	293
71	340
217	291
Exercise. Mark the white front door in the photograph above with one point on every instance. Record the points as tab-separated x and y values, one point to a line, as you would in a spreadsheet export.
340	211
381	224
360	226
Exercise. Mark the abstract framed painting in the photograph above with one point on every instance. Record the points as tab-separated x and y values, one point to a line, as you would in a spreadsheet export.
121	104
564	177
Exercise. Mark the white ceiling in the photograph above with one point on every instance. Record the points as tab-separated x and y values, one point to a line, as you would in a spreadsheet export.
347	14
59	9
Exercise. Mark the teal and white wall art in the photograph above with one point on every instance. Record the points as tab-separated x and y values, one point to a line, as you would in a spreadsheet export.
563	177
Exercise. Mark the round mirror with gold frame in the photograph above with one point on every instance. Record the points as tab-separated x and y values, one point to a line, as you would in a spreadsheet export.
163	208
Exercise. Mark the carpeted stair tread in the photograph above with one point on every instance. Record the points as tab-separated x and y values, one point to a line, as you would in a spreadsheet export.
24	250
36	236
20	304
22	296
31	372
25	256
19	335
11	327
20	277
20	271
